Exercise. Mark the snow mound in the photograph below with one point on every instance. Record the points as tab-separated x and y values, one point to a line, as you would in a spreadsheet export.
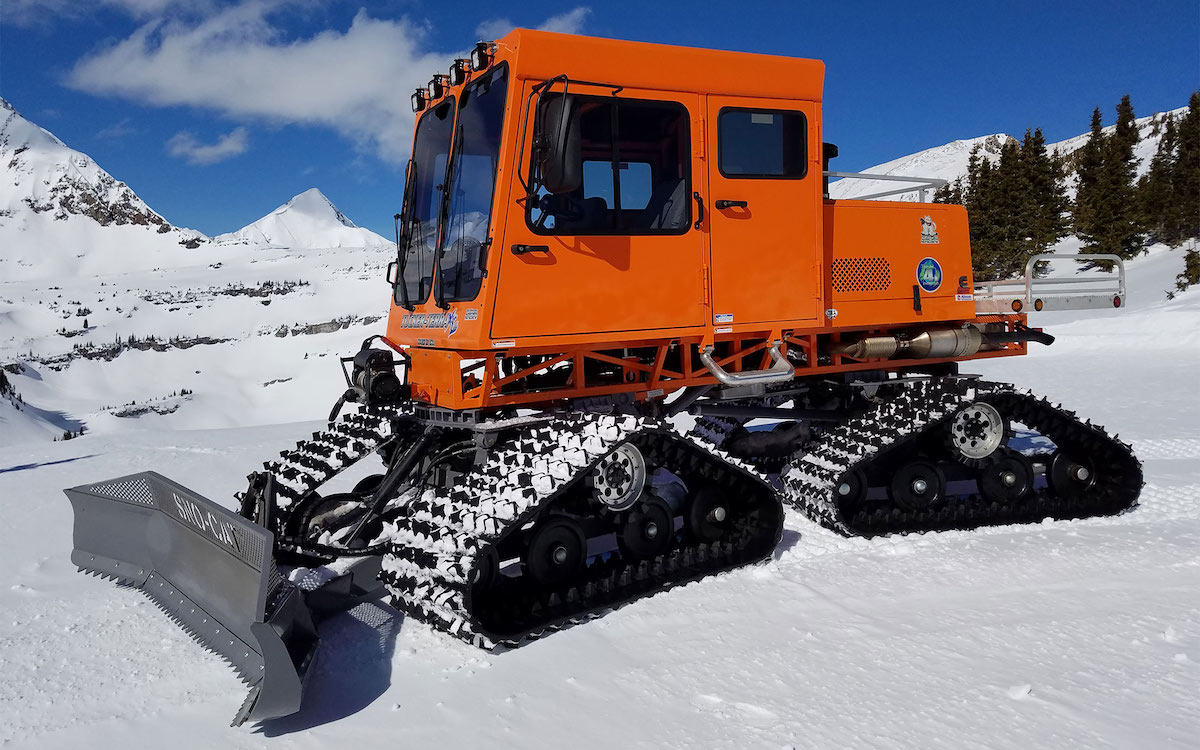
308	220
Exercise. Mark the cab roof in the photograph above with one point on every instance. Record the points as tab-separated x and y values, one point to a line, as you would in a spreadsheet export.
539	55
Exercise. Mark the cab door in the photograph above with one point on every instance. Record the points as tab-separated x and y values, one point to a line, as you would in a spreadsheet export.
764	200
625	254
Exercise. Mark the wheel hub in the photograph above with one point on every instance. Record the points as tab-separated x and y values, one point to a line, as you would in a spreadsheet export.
618	480
977	431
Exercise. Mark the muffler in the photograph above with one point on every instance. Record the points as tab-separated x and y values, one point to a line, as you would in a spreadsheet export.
943	342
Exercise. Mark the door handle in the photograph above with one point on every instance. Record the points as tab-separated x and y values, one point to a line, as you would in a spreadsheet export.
523	249
699	210
730	204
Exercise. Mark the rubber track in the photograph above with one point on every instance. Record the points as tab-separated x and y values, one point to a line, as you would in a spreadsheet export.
895	426
437	546
301	470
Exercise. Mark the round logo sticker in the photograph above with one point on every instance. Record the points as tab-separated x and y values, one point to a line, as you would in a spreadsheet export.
929	275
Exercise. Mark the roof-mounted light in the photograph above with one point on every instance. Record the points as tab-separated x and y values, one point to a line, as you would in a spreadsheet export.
458	72
437	87
479	56
419	100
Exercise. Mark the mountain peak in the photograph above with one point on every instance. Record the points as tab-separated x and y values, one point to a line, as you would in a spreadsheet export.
307	220
312	202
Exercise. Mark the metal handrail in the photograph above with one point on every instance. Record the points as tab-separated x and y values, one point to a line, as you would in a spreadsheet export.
1028	280
1050	292
922	184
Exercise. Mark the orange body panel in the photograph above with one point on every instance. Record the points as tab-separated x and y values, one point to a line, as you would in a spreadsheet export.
786	267
873	250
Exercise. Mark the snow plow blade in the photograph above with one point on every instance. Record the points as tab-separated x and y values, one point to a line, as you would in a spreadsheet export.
210	570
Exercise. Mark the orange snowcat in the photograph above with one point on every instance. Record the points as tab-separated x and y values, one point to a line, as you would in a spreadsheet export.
616	261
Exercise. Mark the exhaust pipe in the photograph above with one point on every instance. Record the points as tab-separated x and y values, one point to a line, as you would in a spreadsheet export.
945	342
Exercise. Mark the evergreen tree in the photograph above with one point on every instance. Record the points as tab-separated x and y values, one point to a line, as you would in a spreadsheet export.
1191	270
1156	200
1185	178
1089	203
1048	222
1106	214
1012	211
1125	233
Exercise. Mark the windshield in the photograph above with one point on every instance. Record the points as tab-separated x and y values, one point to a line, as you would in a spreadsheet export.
419	225
477	150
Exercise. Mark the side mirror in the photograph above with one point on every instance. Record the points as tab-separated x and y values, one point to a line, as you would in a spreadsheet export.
561	158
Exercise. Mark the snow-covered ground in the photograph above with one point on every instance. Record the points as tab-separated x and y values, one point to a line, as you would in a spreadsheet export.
1079	634
1083	634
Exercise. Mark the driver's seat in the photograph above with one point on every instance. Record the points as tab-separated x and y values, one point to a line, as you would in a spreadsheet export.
593	217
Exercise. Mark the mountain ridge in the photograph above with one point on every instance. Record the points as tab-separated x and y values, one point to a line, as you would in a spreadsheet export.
949	161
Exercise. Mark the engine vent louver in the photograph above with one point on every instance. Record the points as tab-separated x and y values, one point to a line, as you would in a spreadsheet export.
861	274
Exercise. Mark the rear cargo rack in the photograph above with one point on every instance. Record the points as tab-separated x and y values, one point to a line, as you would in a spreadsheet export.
1029	294
919	185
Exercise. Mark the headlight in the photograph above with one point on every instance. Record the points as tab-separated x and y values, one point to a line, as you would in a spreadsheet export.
458	72
437	87
479	56
418	100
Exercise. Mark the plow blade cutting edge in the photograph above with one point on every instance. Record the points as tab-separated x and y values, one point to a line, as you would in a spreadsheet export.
209	569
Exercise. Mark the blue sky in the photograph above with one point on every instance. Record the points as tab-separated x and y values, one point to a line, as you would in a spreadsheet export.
217	111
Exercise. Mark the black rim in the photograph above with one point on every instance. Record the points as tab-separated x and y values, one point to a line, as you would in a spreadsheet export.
709	515
648	530
1008	478
1070	477
918	485
851	489
487	567
556	551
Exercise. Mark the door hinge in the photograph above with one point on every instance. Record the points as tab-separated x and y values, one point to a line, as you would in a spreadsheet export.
705	286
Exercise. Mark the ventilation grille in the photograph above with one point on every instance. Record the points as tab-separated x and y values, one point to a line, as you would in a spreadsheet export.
861	274
135	490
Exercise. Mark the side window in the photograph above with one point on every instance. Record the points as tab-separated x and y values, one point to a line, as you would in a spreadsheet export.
636	172
762	143
637	182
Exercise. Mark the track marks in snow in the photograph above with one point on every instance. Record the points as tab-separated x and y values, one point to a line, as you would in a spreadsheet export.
1173	448
749	713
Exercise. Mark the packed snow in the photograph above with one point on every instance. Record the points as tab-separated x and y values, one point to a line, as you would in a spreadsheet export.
1061	634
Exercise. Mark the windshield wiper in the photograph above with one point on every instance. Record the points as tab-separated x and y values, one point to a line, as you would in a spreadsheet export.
404	232
448	186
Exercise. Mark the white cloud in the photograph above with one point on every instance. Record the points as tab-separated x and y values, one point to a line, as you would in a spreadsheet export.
43	12
238	62
185	146
118	130
570	22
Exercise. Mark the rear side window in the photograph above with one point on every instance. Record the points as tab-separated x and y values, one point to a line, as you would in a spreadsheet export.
762	143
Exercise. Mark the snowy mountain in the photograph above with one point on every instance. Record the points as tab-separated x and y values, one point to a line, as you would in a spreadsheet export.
113	319
61	214
949	162
308	220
